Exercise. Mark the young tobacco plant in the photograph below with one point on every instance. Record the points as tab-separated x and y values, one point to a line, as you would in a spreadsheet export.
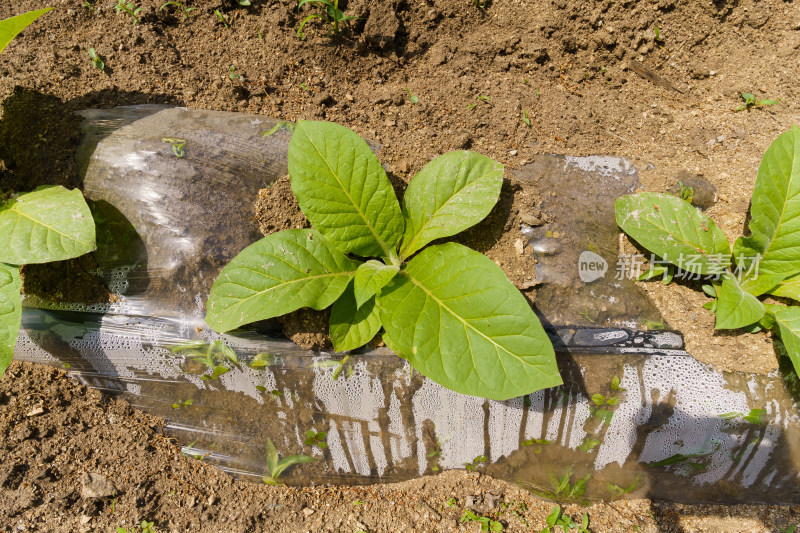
331	14
765	263
450	311
48	224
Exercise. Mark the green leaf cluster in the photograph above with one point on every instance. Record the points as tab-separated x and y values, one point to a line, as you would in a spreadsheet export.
330	13
767	262
450	311
48	224
276	467
558	518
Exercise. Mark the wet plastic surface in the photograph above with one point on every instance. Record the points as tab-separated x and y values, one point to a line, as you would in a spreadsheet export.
672	428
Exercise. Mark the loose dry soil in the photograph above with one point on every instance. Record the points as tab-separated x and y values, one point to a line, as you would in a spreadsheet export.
590	77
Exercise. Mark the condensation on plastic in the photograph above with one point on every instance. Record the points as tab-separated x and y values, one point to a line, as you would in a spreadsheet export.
665	438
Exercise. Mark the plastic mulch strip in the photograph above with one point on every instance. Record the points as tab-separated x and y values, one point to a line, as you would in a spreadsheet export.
172	191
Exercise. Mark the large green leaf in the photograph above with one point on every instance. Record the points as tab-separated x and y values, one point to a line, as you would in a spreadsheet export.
277	275
353	326
761	284
673	229
458	320
788	320
10	313
736	308
370	278
10	27
788	288
49	224
775	209
343	190
453	192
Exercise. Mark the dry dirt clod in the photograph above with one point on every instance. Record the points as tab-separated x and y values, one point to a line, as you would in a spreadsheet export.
96	486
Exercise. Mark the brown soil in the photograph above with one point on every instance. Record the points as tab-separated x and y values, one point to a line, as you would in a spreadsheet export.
591	78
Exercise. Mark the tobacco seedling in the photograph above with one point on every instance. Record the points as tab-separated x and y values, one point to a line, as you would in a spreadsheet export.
331	14
657	37
765	263
487	524
276	467
750	101
479	98
450	311
316	438
88	6
561	488
221	18
232	74
280	125
97	61
412	97
478	461
130	9
558	518
180	7
178	145
525	118
755	416
213	355
480	4
600	400
182	403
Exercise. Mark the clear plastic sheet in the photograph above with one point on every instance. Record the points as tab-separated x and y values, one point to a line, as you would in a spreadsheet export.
673	428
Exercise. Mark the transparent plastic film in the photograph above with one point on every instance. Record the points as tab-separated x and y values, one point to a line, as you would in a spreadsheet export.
172	192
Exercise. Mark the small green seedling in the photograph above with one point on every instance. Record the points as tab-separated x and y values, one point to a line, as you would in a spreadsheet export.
558	518
411	96
480	98
130	9
478	461
180	7
316	438
525	118
147	527
618	492
600	400
615	384
262	360
221	18
451	503
243	3
487	524
178	145
790	529
365	258
480	4
685	193
97	61
280	125
184	403
536	442
588	444
561	488
765	263
88	6
359	502
755	416
276	467
657	37
331	15
232	74
213	355
750	101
